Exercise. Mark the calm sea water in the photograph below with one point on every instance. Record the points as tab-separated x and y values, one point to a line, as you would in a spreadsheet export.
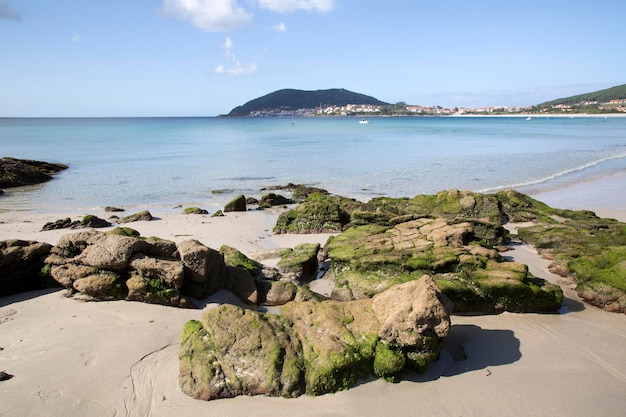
165	162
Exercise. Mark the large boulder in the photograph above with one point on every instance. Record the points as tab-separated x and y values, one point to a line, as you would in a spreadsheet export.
20	265
315	347
367	260
112	266
234	351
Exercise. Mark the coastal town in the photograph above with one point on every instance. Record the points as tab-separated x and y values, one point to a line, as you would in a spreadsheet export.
403	109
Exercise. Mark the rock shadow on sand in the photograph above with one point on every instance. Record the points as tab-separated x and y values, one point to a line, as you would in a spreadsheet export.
471	348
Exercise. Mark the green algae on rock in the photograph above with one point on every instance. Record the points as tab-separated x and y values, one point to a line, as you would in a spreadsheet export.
314	347
366	260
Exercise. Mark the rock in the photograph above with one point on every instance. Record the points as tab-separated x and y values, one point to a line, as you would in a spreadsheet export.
141	216
20	172
300	263
236	204
104	266
271	200
324	213
195	210
411	312
234	351
67	223
243	285
124	231
111	209
94	221
66	274
367	260
111	252
318	216
170	273
587	249
218	213
5	376
153	291
234	258
315	347
280	293
300	192
20	265
205	271
101	286
161	248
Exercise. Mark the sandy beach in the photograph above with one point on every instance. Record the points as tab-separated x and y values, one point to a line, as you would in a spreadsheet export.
71	358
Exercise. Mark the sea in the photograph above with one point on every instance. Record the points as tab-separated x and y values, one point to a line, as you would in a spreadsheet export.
165	163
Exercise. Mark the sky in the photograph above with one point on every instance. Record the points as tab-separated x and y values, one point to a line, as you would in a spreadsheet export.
134	58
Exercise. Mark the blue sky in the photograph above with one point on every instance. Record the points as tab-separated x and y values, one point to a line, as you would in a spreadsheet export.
204	57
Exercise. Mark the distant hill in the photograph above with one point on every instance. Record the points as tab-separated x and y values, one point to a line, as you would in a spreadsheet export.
602	96
290	99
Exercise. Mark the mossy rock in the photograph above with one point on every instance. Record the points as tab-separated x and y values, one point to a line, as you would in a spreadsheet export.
234	351
272	199
367	260
314	347
20	172
388	362
591	249
94	221
236	204
300	261
195	210
234	258
135	217
324	216
124	231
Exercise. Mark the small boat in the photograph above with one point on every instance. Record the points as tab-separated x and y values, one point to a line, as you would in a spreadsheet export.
529	118
363	121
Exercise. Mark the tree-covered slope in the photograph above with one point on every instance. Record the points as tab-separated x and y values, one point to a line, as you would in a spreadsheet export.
601	96
291	99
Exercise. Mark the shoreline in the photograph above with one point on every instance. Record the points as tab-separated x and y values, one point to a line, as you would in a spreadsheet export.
602	195
61	350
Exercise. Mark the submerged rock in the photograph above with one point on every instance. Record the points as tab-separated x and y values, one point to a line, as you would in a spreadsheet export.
314	347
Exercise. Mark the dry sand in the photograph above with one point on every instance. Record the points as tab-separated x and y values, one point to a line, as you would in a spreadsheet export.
71	358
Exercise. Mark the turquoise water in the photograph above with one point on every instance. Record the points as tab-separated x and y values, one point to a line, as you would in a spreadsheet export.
154	162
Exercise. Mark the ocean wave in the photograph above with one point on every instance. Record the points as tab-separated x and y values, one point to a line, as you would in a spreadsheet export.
554	176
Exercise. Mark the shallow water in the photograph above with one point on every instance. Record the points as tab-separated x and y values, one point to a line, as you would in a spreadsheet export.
150	162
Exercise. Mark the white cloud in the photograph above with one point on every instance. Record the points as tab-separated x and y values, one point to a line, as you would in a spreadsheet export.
287	6
208	15
228	44
281	27
75	38
7	12
236	68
